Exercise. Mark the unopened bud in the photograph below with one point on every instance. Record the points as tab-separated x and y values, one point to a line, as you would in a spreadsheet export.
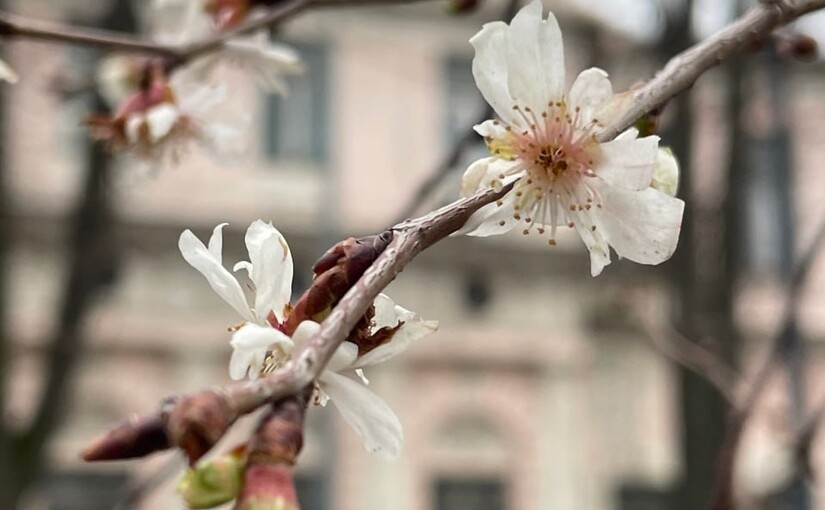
268	487
666	172
796	46
212	483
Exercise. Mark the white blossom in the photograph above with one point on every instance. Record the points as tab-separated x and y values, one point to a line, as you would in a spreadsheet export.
260	344
545	141
180	22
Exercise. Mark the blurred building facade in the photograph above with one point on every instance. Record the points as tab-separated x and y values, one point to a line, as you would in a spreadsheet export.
539	390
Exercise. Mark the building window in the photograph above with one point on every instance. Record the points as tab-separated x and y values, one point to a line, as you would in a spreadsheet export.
296	125
469	494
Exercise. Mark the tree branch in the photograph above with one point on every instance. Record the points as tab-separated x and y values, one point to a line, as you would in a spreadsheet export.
12	25
214	411
682	70
745	406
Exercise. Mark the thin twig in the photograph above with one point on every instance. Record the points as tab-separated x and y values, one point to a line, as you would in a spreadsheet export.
745	406
412	236
689	354
15	26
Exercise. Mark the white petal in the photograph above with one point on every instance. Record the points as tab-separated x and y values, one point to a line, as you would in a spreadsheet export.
535	58
492	219
304	331
642	226
628	162
268	61
161	119
490	70
7	73
271	268
486	173
250	344
591	92
387	313
216	243
343	357
195	98
594	240
252	337
134	125
474	175
221	280
666	172
241	360
368	415
491	128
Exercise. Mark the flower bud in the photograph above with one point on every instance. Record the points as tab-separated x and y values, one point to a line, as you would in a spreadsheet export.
462	6
666	172
268	487
212	483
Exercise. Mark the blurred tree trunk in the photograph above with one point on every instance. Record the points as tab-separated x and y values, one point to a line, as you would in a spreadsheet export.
91	265
705	282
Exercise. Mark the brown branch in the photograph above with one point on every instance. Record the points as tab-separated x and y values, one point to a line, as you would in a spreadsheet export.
689	354
442	169
12	26
745	406
682	70
195	414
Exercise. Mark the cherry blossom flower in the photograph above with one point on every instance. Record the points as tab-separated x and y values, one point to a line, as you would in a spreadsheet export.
260	344
544	141
158	123
180	22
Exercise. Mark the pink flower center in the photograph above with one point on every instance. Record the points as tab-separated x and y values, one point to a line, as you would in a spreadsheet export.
557	150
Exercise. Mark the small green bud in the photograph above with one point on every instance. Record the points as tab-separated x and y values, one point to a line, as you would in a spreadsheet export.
212	483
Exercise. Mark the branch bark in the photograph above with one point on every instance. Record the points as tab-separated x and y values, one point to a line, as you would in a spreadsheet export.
12	26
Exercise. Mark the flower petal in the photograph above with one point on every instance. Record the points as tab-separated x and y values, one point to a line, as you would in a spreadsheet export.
221	280
628	163
343	357
642	226
305	330
487	173
161	119
216	243
490	70
492	219
387	313
271	268
591	92
269	61
666	172
535	58
368	415
251	343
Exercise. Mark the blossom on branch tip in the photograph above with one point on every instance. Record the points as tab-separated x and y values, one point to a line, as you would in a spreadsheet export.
159	122
180	22
264	342
545	143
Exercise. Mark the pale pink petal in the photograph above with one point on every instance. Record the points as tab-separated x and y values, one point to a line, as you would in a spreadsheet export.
492	219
